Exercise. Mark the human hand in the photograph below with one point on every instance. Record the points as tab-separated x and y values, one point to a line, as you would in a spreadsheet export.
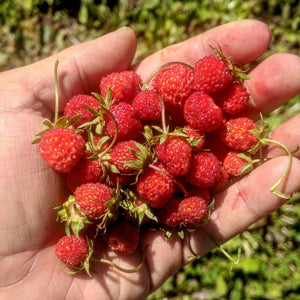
30	189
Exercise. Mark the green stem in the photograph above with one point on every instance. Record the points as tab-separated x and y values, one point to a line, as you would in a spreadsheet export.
163	66
115	136
108	262
235	261
56	91
273	188
186	193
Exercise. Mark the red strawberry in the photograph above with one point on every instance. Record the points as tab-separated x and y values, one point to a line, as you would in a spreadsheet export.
61	148
233	163
123	237
192	210
72	250
129	127
234	99
168	215
236	134
147	106
196	138
212	74
174	84
123	152
86	171
124	86
175	153
154	186
205	169
201	112
77	105
92	198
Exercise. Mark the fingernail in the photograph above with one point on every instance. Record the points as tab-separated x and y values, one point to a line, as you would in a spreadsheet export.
123	28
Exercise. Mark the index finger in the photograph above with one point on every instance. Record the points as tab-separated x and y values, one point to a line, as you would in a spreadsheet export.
243	41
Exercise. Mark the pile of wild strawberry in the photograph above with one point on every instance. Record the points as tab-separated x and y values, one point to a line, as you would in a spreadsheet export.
152	154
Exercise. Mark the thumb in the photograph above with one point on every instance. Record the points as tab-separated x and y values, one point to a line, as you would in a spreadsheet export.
80	67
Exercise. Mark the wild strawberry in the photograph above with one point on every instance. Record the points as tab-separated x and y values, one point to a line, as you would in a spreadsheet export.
174	84
73	251
92	198
212	74
86	171
124	86
192	210
196	138
147	106
234	99
236	134
127	157
175	153
201	112
61	148
205	169
168	215
234	164
123	237
155	186
129	127
77	106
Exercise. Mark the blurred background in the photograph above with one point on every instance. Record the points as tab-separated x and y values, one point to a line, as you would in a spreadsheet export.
268	252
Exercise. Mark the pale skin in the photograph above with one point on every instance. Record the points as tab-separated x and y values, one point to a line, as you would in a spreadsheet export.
30	189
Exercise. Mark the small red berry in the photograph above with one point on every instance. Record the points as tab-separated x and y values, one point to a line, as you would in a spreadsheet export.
205	169
123	237
211	74
175	153
174	84
233	163
234	99
124	86
192	210
201	112
129	127
61	148
147	106
72	250
92	198
77	105
236	134
155	187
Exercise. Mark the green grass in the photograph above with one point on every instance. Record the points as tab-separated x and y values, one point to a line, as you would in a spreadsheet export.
269	251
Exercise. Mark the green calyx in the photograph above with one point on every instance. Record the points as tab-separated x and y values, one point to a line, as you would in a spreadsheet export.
70	214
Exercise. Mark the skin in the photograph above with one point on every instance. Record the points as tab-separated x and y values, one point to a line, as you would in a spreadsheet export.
30	190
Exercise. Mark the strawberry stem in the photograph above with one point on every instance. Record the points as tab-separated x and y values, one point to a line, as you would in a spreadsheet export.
186	193
274	187
56	92
226	254
108	262
163	66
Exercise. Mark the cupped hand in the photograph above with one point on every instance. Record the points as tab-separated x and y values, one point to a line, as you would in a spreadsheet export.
30	189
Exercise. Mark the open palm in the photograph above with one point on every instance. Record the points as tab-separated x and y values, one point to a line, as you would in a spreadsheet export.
30	189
